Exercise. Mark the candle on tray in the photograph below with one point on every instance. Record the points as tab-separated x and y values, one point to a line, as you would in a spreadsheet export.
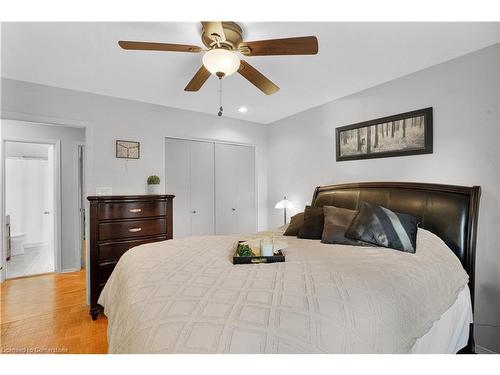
266	247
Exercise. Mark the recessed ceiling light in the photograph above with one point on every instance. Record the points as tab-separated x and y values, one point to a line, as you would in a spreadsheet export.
242	109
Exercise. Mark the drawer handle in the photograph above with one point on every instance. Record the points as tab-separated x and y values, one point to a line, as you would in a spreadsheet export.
135	210
133	230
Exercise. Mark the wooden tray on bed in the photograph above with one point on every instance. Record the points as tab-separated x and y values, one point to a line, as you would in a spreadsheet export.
277	257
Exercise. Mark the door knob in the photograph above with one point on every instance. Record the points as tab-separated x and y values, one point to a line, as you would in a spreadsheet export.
46	212
233	209
194	211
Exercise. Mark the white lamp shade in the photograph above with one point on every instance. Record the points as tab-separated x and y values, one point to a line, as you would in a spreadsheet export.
284	203
220	60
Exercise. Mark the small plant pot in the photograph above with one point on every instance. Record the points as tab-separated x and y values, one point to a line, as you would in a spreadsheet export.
154	189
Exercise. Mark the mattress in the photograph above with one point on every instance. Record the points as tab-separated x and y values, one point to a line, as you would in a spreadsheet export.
186	296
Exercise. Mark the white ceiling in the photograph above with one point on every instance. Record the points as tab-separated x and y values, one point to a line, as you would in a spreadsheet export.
352	57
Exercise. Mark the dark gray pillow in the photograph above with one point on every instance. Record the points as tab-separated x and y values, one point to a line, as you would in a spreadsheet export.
383	227
337	220
312	228
295	225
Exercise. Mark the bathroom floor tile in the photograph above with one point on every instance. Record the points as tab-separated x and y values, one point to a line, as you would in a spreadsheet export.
34	261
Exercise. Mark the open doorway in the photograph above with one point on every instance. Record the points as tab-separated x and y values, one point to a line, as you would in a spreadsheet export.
30	210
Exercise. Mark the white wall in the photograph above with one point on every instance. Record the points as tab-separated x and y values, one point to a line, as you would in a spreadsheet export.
70	252
27	198
31	150
465	96
27	180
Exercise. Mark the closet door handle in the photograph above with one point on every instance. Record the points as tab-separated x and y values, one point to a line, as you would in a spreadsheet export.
233	209
193	212
133	230
135	210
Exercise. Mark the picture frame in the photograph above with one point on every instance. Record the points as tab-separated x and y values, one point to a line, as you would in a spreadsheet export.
409	133
128	149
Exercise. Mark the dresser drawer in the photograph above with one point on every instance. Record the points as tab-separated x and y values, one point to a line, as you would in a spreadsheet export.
130	210
132	228
114	250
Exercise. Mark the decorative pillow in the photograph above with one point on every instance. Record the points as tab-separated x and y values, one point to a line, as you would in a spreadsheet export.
295	225
337	220
383	227
313	223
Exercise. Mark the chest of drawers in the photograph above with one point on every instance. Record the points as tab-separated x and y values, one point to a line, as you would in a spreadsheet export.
118	223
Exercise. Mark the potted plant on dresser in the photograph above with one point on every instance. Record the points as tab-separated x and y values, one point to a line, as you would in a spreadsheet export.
154	185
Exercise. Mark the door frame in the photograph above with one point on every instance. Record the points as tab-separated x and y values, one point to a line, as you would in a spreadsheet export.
218	141
56	198
78	192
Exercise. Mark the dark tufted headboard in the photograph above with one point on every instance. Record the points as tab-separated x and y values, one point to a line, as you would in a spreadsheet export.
448	211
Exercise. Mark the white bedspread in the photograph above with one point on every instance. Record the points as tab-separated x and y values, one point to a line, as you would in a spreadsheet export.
450	333
186	296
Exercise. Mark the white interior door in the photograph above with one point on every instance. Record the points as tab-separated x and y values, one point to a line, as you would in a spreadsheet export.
234	189
202	188
177	182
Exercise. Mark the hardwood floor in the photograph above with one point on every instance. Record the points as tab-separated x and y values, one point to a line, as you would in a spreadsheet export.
48	314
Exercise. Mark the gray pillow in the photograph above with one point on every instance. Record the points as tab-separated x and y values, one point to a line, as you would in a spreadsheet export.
383	227
337	220
296	222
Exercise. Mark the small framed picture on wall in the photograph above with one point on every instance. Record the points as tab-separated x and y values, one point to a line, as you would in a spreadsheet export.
128	150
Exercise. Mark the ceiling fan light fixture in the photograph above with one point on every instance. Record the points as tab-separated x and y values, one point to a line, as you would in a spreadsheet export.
220	60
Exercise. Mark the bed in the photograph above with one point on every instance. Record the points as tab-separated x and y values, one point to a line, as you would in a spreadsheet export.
185	295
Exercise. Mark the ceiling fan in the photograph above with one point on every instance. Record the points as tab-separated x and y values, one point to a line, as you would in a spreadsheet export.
223	40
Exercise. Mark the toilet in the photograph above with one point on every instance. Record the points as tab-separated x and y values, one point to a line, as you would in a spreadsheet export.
17	241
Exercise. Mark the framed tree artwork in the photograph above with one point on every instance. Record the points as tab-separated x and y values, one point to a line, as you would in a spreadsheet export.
128	150
404	134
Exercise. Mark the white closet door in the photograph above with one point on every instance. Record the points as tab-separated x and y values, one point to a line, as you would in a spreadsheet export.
177	181
235	210
202	188
245	190
225	190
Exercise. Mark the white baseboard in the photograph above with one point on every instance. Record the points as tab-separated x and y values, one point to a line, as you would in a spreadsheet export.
481	350
70	270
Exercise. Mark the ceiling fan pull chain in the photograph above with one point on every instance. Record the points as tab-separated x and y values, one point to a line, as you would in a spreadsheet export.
220	97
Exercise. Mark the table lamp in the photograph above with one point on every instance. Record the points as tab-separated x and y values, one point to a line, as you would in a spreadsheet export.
284	204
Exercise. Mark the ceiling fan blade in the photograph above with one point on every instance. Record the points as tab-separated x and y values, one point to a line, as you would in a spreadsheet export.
214	30
150	46
198	80
303	45
257	78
